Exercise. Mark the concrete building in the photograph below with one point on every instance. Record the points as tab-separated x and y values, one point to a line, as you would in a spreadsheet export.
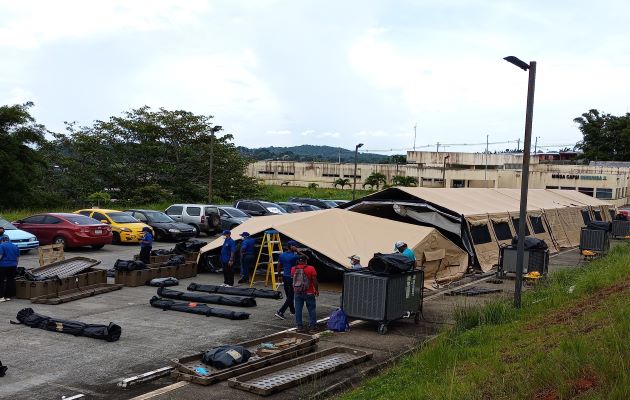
459	170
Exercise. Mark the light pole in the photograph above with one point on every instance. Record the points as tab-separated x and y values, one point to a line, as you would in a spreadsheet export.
356	160
529	113
213	130
444	171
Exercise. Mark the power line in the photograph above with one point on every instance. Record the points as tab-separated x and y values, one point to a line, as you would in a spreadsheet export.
426	146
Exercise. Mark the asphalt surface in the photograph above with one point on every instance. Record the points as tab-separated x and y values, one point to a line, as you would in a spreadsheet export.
49	365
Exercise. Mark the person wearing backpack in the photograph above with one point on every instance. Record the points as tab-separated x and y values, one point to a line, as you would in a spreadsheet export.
305	289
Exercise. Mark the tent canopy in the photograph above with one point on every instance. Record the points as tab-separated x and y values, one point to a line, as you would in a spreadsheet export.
338	234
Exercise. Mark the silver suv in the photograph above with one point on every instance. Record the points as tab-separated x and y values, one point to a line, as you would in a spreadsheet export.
202	217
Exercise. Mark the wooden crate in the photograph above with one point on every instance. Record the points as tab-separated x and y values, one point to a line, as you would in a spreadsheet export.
50	253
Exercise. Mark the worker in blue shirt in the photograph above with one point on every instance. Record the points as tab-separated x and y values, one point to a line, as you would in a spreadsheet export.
286	261
247	256
405	251
9	256
228	251
146	244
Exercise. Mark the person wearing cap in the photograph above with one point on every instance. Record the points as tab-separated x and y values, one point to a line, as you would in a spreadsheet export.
228	250
286	261
247	256
146	244
405	251
9	256
355	262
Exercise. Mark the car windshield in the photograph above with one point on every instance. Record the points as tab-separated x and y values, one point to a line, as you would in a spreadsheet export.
82	220
121	217
272	208
330	203
156	216
235	212
6	224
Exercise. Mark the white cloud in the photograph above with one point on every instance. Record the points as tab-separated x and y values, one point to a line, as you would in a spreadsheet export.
307	132
29	24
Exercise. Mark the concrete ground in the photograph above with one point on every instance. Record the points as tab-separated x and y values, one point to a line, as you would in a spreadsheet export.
46	365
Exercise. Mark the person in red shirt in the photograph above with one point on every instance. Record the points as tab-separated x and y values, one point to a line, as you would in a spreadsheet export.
305	288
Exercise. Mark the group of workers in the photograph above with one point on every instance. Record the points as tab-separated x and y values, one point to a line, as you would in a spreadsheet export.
9	257
299	280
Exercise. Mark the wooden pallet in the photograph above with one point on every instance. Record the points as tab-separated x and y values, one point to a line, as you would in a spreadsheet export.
76	294
50	253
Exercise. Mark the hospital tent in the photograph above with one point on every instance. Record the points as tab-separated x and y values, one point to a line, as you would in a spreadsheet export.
334	235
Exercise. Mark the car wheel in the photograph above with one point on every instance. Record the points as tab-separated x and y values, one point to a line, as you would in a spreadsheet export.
97	246
61	240
196	229
116	238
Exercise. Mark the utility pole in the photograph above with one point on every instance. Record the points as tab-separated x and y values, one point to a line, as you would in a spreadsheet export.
536	144
356	160
444	171
213	130
414	136
518	146
437	150
485	174
529	114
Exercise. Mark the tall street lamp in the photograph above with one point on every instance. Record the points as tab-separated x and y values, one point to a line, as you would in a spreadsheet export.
444	171
520	248
213	130
356	160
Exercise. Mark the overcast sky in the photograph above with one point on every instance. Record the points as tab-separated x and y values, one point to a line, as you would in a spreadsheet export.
322	72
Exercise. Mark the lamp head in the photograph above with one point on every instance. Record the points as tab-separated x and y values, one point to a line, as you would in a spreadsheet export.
359	145
519	63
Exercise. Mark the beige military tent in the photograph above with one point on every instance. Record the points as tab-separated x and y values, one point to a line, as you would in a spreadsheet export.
481	220
338	234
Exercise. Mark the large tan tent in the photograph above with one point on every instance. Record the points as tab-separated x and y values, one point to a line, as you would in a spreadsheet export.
487	218
338	234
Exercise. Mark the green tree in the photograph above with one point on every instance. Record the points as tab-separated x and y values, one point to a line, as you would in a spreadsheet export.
375	180
605	137
313	186
341	182
21	165
99	198
400	180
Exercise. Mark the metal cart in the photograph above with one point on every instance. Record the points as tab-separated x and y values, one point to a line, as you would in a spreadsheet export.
595	240
383	298
533	260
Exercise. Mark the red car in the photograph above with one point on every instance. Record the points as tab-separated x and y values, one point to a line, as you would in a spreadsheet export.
71	230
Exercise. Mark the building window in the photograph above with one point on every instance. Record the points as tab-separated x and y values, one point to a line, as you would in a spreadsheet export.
567	187
604	193
480	234
331	175
537	224
352	176
502	230
265	172
285	173
515	223
551	187
586	191
586	217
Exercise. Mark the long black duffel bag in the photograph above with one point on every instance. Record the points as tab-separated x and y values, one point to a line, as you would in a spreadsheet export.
248	292
207	298
28	317
390	264
196	308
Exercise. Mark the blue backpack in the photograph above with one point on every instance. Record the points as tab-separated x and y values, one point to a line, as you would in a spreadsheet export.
338	322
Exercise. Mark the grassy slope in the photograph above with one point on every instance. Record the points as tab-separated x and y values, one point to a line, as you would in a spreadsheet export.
269	193
571	340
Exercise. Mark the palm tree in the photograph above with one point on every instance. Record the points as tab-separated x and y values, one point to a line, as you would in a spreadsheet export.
341	182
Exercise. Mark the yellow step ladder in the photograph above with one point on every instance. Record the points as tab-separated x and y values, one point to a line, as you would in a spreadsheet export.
271	246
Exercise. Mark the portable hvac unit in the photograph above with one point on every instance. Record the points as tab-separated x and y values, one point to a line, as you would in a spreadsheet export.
383	298
620	228
533	260
594	240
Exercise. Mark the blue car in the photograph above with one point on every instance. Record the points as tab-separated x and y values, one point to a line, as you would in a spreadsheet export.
25	241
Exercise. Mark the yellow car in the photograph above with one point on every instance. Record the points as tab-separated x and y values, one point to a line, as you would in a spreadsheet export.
125	228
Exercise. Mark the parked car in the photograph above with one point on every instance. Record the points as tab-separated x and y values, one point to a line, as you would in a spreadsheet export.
165	227
70	230
125	228
297	207
339	202
314	202
202	217
25	241
232	217
257	208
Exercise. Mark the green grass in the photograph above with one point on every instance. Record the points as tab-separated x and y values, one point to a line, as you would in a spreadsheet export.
564	343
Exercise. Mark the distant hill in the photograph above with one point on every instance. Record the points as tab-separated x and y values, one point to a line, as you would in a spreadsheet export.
309	152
